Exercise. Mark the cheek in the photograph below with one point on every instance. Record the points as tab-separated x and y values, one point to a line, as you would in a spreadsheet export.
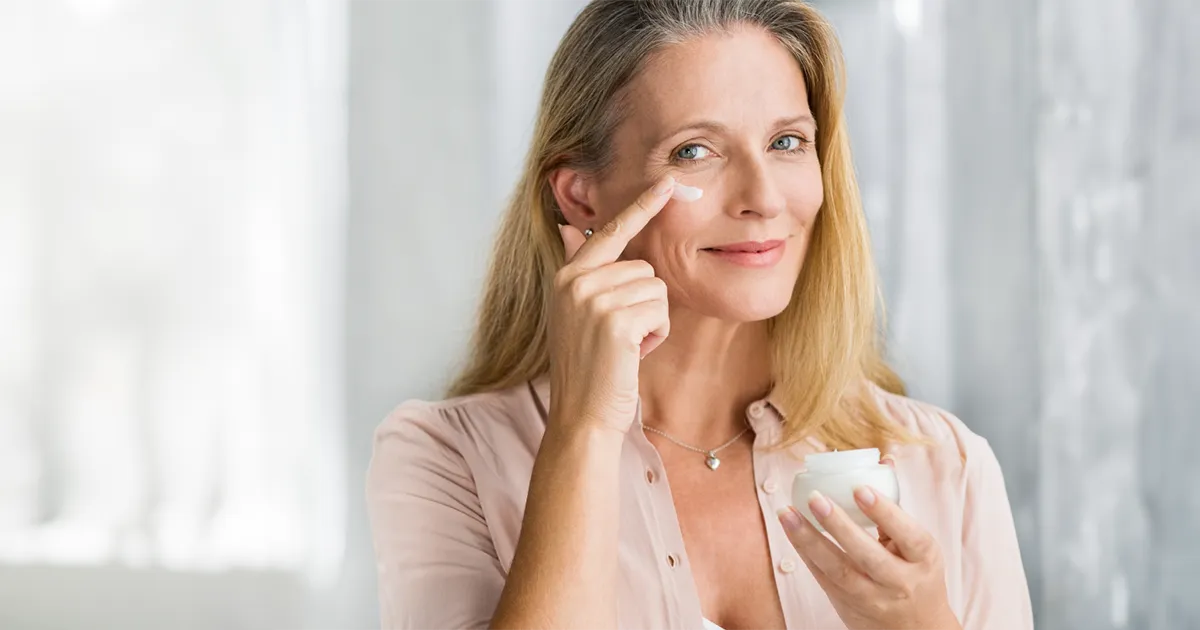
806	197
671	240
669	236
680	221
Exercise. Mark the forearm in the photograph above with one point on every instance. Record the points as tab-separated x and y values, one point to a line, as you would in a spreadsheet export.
564	572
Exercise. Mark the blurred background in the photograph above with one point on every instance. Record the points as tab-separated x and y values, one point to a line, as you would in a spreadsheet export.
235	233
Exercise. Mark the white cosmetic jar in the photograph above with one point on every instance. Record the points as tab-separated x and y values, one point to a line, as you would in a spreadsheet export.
837	474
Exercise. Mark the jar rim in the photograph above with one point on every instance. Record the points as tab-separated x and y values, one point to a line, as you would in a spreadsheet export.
840	461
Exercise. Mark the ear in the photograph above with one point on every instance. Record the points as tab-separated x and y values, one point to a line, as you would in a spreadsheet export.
572	192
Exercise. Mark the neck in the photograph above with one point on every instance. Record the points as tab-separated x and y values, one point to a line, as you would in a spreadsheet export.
697	384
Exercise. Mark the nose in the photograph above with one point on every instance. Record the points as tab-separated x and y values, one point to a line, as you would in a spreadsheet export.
755	191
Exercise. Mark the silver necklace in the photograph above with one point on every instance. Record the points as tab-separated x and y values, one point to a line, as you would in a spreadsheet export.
711	460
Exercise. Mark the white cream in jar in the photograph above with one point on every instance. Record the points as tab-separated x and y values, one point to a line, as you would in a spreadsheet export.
837	474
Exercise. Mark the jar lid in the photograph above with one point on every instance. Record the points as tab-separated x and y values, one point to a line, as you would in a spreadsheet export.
840	461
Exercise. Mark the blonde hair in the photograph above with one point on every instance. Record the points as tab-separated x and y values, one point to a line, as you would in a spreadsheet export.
826	344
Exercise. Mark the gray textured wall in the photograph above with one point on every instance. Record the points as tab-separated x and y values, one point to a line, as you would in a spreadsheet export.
418	224
1069	136
1118	218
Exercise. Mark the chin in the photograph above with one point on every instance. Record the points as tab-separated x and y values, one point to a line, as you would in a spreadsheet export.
743	305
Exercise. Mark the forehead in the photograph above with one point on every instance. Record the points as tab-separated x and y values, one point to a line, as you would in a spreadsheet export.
741	78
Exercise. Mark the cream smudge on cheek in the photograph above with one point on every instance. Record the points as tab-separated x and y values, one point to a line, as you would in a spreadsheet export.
686	193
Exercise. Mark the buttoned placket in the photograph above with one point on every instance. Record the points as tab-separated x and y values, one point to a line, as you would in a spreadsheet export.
774	494
671	565
763	420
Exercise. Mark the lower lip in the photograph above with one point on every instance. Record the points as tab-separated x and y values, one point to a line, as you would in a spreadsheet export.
765	258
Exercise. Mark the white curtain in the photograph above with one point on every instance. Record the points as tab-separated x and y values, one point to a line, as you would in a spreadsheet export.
171	209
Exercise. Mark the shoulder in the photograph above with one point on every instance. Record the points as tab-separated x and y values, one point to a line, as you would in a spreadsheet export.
949	442
470	456
951	477
470	436
952	484
452	421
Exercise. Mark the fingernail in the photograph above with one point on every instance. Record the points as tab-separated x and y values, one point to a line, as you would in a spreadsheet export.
865	495
819	505
888	459
789	518
664	186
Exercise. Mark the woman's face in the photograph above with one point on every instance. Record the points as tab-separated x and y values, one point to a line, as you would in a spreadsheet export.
727	113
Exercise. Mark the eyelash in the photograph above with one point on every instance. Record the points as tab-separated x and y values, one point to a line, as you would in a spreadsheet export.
802	146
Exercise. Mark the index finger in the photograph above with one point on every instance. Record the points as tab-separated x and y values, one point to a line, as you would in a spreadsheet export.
609	241
821	554
863	549
914	543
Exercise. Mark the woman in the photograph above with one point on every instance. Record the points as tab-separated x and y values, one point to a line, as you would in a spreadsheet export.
650	367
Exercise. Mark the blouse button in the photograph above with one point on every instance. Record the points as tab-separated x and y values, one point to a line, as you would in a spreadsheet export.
769	486
756	409
649	476
787	566
672	560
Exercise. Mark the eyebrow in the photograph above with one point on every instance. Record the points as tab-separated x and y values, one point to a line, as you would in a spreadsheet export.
716	127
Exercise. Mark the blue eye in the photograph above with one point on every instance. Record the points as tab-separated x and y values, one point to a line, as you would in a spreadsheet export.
790	144
691	152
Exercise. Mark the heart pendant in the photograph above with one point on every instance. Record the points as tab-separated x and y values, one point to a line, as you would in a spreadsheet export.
712	462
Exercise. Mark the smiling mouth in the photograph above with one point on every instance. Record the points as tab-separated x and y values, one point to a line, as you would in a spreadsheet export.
751	254
753	247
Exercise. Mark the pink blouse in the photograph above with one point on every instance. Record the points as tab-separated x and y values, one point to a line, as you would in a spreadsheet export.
447	485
